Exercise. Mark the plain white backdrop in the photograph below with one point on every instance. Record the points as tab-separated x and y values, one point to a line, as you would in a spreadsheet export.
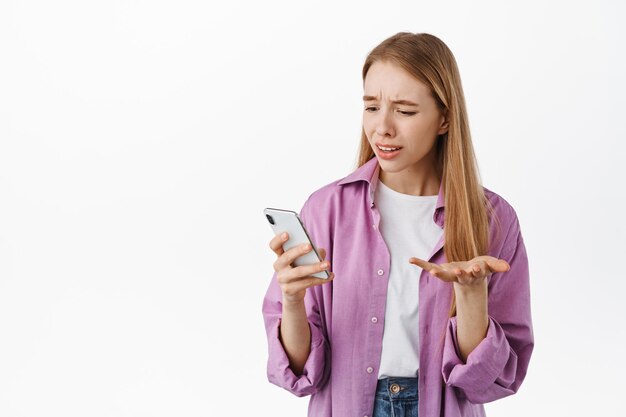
141	140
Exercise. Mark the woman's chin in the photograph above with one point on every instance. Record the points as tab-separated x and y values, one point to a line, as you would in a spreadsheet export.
390	166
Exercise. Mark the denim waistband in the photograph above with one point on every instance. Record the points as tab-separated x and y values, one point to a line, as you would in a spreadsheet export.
397	388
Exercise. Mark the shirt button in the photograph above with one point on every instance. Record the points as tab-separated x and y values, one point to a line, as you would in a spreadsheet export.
380	272
369	370
374	319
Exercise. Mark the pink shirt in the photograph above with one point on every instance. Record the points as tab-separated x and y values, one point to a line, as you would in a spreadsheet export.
346	316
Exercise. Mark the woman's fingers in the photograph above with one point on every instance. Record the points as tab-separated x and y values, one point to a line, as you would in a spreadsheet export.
497	265
448	276
292	288
464	272
422	263
479	269
303	271
289	256
276	244
295	280
434	269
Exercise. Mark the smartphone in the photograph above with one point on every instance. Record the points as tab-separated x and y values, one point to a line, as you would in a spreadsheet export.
288	221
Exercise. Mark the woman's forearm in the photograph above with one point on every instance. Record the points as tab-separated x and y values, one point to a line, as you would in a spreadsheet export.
295	334
471	316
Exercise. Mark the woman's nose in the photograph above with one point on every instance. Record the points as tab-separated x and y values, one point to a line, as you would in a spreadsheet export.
384	124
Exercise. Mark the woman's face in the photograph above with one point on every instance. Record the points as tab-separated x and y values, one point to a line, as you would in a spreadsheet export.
401	119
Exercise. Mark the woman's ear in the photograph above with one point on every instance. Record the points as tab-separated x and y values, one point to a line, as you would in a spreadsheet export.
443	128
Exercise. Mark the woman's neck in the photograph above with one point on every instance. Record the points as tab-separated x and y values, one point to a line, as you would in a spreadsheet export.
415	180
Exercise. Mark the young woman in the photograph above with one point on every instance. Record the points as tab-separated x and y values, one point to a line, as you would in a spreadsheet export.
428	304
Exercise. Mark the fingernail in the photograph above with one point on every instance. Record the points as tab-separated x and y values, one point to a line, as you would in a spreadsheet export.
307	247
284	236
324	265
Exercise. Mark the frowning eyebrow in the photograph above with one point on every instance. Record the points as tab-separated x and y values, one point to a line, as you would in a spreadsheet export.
405	102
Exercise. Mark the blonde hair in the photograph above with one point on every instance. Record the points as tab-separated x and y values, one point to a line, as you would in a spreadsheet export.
467	210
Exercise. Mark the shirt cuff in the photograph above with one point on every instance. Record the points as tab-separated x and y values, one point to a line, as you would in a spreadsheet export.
492	361
314	373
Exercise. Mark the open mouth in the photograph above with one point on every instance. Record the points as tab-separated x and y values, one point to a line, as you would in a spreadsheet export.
388	149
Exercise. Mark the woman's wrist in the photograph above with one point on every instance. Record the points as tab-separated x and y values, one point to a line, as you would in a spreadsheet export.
478	289
293	305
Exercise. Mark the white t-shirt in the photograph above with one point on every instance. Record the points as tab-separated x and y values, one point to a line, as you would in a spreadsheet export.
408	228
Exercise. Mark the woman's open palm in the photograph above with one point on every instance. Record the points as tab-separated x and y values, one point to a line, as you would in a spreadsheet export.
466	272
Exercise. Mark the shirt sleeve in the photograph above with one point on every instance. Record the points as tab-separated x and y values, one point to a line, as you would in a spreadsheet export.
316	369
498	365
315	372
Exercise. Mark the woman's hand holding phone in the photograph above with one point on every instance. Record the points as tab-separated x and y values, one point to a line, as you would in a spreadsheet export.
298	266
294	280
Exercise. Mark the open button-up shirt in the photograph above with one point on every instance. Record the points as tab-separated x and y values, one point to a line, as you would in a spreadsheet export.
346	316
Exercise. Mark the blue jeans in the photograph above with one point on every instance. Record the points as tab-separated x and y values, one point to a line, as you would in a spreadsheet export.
396	397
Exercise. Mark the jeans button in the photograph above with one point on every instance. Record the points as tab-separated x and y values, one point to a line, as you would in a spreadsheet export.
394	388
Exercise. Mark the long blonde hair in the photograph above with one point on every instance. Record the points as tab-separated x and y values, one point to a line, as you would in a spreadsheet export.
467	211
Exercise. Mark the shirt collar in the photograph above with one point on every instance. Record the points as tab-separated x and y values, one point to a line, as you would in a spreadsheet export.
368	172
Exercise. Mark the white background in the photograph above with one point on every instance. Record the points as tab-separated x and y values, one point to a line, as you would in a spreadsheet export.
141	140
